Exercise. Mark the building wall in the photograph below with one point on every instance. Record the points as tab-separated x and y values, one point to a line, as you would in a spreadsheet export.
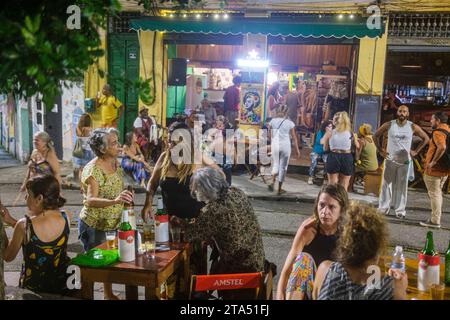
146	68
371	65
72	109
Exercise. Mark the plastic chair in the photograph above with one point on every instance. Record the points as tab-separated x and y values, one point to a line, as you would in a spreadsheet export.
259	281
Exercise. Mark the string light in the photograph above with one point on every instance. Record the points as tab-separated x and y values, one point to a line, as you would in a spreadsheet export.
171	15
340	16
352	16
225	16
184	15
216	16
198	16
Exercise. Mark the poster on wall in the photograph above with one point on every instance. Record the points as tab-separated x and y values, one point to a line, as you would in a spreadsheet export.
251	103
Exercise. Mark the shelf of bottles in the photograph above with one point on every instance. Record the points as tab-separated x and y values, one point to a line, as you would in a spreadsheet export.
434	91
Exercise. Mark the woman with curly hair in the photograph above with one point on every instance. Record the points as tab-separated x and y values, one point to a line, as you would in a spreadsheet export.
103	193
363	239
314	242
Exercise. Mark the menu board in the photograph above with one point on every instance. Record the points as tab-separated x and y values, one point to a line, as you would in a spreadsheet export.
367	110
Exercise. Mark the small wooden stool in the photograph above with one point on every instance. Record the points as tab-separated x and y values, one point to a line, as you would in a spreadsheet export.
372	181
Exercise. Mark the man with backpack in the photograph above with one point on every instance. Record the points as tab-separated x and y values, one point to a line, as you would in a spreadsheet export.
437	166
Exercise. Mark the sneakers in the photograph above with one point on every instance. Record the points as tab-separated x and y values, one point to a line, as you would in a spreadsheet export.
429	224
310	181
400	215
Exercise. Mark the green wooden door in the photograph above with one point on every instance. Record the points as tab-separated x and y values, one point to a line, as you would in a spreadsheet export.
123	62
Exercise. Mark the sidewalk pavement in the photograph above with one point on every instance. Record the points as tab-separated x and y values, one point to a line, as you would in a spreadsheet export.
296	186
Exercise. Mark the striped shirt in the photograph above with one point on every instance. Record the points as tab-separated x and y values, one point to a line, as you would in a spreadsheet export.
338	286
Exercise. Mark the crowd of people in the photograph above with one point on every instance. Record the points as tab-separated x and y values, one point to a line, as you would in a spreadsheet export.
340	238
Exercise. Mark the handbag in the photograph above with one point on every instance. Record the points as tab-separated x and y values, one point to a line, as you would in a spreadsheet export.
78	151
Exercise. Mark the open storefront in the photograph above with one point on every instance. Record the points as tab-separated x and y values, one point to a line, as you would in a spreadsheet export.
316	58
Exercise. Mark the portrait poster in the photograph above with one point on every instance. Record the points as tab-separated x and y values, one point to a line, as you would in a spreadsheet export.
251	103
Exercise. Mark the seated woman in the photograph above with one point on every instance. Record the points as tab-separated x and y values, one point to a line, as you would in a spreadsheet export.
362	241
43	237
134	162
314	242
366	154
228	223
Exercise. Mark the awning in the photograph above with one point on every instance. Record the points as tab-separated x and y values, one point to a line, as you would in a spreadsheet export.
328	27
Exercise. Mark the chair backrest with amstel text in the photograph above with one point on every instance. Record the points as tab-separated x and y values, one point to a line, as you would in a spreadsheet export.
259	281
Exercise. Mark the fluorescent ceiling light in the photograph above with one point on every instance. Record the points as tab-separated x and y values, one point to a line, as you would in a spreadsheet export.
253	63
411	66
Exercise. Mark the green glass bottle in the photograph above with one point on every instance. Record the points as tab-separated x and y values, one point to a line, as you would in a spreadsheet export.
125	224
447	265
429	245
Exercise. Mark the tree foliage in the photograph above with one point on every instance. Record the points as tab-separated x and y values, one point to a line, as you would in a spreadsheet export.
39	50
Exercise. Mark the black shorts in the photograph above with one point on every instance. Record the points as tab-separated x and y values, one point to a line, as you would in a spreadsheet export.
342	163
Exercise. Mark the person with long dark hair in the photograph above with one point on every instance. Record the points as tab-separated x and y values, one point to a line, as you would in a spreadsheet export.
43	236
314	242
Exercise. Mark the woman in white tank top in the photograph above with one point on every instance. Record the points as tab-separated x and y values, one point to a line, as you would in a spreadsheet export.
340	163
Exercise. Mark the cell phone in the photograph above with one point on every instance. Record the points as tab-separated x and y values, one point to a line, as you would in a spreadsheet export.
162	247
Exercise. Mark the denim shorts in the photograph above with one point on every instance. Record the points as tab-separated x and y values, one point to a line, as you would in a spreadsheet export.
90	237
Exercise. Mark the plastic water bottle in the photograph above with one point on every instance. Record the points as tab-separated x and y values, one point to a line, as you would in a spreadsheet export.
398	259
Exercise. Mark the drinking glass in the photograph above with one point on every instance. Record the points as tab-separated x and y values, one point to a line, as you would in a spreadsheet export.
149	241
175	233
111	239
437	291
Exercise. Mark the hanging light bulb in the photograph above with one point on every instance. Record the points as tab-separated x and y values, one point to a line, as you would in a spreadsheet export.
225	16
352	16
216	16
341	16
198	16
184	15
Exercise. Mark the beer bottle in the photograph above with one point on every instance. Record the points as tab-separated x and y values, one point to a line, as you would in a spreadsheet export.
162	223
429	245
126	239
130	208
447	265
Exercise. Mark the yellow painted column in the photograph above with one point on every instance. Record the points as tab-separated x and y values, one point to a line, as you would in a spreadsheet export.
371	64
93	81
154	67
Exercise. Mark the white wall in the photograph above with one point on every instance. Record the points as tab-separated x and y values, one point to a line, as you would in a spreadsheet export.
72	109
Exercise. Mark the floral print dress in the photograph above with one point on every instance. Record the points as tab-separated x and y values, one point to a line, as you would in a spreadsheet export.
110	186
45	263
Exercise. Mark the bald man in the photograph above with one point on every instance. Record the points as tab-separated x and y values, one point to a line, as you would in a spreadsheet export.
398	160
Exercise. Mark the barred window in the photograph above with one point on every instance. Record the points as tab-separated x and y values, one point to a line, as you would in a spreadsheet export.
419	25
121	22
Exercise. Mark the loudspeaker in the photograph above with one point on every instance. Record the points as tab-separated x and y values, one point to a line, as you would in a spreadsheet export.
177	72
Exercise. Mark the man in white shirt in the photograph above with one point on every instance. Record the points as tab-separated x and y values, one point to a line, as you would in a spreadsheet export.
145	129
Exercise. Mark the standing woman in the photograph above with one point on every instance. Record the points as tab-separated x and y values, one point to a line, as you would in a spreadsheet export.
282	130
340	161
274	99
103	192
84	129
43	160
174	178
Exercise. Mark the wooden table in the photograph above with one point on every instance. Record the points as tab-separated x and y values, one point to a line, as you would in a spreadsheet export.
149	273
411	269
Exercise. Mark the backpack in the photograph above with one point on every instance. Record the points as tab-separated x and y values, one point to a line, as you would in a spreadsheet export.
444	161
